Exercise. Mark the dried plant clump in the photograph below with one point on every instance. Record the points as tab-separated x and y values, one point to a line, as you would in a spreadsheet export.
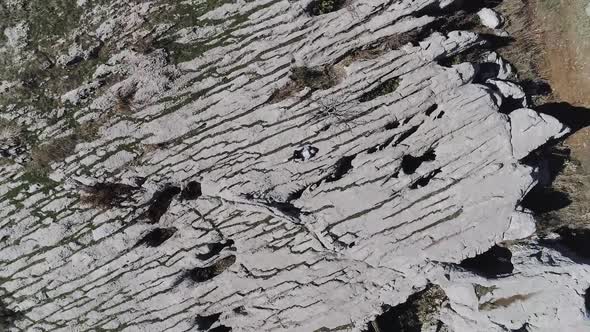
9	133
106	195
144	44
57	149
124	101
384	88
315	78
319	78
320	7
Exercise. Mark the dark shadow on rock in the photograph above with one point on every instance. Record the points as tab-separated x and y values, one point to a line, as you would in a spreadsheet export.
191	191
160	203
203	323
542	200
156	237
494	263
572	116
343	166
536	87
576	239
8	317
410	163
215	249
202	274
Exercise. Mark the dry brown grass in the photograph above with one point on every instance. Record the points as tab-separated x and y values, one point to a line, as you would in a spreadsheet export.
319	78
106	195
57	149
124	101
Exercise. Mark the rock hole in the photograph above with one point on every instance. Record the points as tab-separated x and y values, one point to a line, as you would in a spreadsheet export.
220	328
191	191
321	7
160	203
419	313
343	166
202	274
215	249
384	88
205	322
391	125
156	237
494	263
431	109
440	115
410	163
424	180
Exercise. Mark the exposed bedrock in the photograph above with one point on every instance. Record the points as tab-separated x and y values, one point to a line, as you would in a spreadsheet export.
280	199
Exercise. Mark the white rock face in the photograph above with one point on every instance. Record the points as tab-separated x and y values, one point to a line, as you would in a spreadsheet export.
413	168
536	296
530	129
490	18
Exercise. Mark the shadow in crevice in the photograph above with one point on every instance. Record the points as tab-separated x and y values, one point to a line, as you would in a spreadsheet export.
550	158
494	263
574	117
543	199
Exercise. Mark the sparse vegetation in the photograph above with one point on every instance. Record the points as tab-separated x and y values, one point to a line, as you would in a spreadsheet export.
301	77
44	155
384	88
124	102
106	195
320	7
9	132
315	78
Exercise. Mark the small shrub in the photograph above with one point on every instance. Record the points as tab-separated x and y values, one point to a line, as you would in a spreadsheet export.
285	92
316	79
106	194
9	133
384	88
124	102
320	7
301	77
44	155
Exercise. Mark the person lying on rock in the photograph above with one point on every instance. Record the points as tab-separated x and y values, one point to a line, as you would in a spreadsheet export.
304	153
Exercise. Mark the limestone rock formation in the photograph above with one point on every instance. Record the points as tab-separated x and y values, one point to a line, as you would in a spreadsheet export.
268	166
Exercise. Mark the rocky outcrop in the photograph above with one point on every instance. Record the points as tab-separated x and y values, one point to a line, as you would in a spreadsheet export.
260	196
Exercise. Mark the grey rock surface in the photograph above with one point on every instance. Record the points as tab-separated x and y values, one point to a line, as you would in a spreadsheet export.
188	208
